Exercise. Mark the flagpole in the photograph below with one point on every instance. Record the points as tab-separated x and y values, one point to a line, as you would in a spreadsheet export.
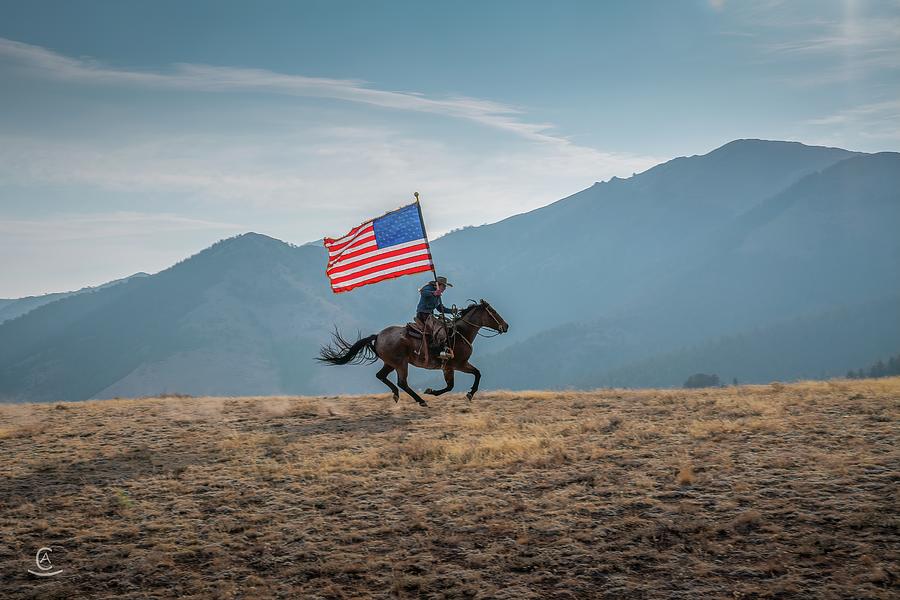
443	317
425	233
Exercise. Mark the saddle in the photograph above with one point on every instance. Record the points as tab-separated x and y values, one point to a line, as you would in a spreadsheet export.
421	331
414	330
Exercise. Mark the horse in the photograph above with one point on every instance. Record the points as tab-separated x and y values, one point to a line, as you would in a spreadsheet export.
398	349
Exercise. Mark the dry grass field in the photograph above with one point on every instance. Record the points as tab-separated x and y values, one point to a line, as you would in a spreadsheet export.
785	491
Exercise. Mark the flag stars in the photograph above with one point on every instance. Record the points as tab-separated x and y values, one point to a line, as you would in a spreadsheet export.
398	227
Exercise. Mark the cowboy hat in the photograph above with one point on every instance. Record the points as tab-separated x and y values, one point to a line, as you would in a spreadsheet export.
442	280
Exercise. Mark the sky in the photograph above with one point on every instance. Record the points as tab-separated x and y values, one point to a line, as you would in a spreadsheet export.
134	134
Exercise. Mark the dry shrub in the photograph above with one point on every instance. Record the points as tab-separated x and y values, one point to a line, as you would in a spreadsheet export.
268	469
120	499
553	456
706	429
746	407
591	425
747	521
494	450
716	428
639	434
480	422
20	420
238	444
25	430
612	424
685	475
291	407
188	410
275	407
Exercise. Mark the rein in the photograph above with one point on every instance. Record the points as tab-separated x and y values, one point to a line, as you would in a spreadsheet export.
477	331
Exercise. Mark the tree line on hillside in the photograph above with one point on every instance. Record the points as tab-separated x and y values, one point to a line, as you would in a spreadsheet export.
879	369
701	380
820	346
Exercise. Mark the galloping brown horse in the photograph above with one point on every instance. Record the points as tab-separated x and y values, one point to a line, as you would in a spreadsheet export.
398	350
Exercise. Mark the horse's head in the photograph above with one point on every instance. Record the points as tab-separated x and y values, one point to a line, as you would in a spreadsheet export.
483	314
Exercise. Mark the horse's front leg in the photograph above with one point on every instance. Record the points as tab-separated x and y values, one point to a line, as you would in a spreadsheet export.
470	368
448	378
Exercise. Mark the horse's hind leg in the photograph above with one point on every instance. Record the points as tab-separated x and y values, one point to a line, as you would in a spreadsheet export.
402	371
470	368
382	375
448	377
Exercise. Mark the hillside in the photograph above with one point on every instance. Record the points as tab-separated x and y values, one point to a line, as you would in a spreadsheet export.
750	235
11	308
750	491
236	318
815	347
827	242
590	253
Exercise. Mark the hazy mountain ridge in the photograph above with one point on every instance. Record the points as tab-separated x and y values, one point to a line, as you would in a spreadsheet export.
595	250
773	263
809	347
16	307
238	298
618	273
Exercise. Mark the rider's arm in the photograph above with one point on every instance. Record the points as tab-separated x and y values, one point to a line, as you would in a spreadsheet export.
426	298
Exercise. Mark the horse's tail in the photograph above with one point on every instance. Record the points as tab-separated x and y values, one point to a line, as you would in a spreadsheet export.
342	352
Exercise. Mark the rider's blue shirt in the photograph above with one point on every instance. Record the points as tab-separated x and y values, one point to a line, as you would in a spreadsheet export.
428	301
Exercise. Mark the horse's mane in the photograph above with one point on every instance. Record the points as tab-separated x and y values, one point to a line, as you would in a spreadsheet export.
469	309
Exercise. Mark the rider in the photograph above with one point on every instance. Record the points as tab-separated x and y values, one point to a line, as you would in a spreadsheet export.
429	300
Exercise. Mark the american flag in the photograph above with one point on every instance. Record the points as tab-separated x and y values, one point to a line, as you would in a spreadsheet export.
389	246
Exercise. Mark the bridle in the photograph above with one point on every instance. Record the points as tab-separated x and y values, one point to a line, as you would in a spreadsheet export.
493	315
496	318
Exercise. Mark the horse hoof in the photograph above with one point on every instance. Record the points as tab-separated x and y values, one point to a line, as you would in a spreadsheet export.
470	395
429	391
423	404
396	397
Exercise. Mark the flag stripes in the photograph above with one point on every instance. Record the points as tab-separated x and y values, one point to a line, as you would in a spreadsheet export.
390	246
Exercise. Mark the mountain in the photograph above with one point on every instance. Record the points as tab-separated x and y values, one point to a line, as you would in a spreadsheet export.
238	317
748	236
828	240
811	347
15	307
596	250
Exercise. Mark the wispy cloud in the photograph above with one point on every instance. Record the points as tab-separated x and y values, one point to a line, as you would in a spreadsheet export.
306	173
874	121
293	170
207	78
869	34
839	44
203	165
281	169
69	251
71	227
